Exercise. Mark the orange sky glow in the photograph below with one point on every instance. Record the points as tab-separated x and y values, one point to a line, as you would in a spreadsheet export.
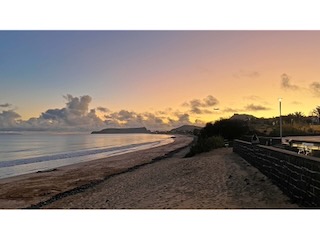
169	74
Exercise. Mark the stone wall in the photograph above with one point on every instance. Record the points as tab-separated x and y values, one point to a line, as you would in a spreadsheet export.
298	176
264	140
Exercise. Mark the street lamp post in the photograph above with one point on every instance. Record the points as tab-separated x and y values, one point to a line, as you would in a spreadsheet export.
280	120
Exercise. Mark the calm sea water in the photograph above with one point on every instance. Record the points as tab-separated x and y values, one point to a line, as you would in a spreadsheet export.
30	152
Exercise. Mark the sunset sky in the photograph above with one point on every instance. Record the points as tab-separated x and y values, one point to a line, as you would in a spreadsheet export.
157	79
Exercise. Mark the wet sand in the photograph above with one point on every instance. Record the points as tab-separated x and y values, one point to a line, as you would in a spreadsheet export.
219	179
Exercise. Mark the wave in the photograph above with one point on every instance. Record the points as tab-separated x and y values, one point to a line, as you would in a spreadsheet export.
61	156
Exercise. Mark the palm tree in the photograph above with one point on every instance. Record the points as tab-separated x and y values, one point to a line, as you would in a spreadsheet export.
316	111
298	116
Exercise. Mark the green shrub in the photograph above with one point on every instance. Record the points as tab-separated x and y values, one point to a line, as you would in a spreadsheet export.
205	145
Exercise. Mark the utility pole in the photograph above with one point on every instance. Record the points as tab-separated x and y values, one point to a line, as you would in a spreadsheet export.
280	120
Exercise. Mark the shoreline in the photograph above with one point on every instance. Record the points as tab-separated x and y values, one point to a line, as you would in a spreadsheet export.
30	189
46	160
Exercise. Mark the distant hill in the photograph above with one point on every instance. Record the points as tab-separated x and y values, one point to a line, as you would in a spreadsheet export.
121	130
185	129
243	117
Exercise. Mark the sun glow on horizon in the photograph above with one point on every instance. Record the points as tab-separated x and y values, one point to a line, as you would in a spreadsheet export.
155	77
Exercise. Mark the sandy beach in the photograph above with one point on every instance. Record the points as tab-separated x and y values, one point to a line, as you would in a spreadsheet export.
218	179
26	190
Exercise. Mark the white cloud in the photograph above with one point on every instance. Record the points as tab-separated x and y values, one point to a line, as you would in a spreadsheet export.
74	116
9	119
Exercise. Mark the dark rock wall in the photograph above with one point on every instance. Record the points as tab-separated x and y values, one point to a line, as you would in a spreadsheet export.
298	176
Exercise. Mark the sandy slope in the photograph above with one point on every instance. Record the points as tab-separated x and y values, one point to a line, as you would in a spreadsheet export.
217	179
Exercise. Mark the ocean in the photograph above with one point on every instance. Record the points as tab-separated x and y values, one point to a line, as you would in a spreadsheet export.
28	152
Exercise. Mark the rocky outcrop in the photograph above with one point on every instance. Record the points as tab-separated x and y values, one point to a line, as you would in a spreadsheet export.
121	130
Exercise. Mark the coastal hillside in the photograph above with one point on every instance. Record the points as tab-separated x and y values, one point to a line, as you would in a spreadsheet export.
243	117
185	129
121	130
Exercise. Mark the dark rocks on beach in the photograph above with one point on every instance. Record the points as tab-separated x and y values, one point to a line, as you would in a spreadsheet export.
50	170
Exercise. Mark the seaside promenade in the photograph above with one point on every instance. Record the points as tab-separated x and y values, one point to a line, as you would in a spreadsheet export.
218	179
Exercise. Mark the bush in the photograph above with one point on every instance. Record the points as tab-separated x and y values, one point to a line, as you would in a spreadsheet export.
212	135
288	130
205	145
226	128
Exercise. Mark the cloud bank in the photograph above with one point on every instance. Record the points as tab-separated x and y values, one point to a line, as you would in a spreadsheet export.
5	105
197	106
249	107
253	108
77	116
9	119
246	74
286	84
231	110
315	88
